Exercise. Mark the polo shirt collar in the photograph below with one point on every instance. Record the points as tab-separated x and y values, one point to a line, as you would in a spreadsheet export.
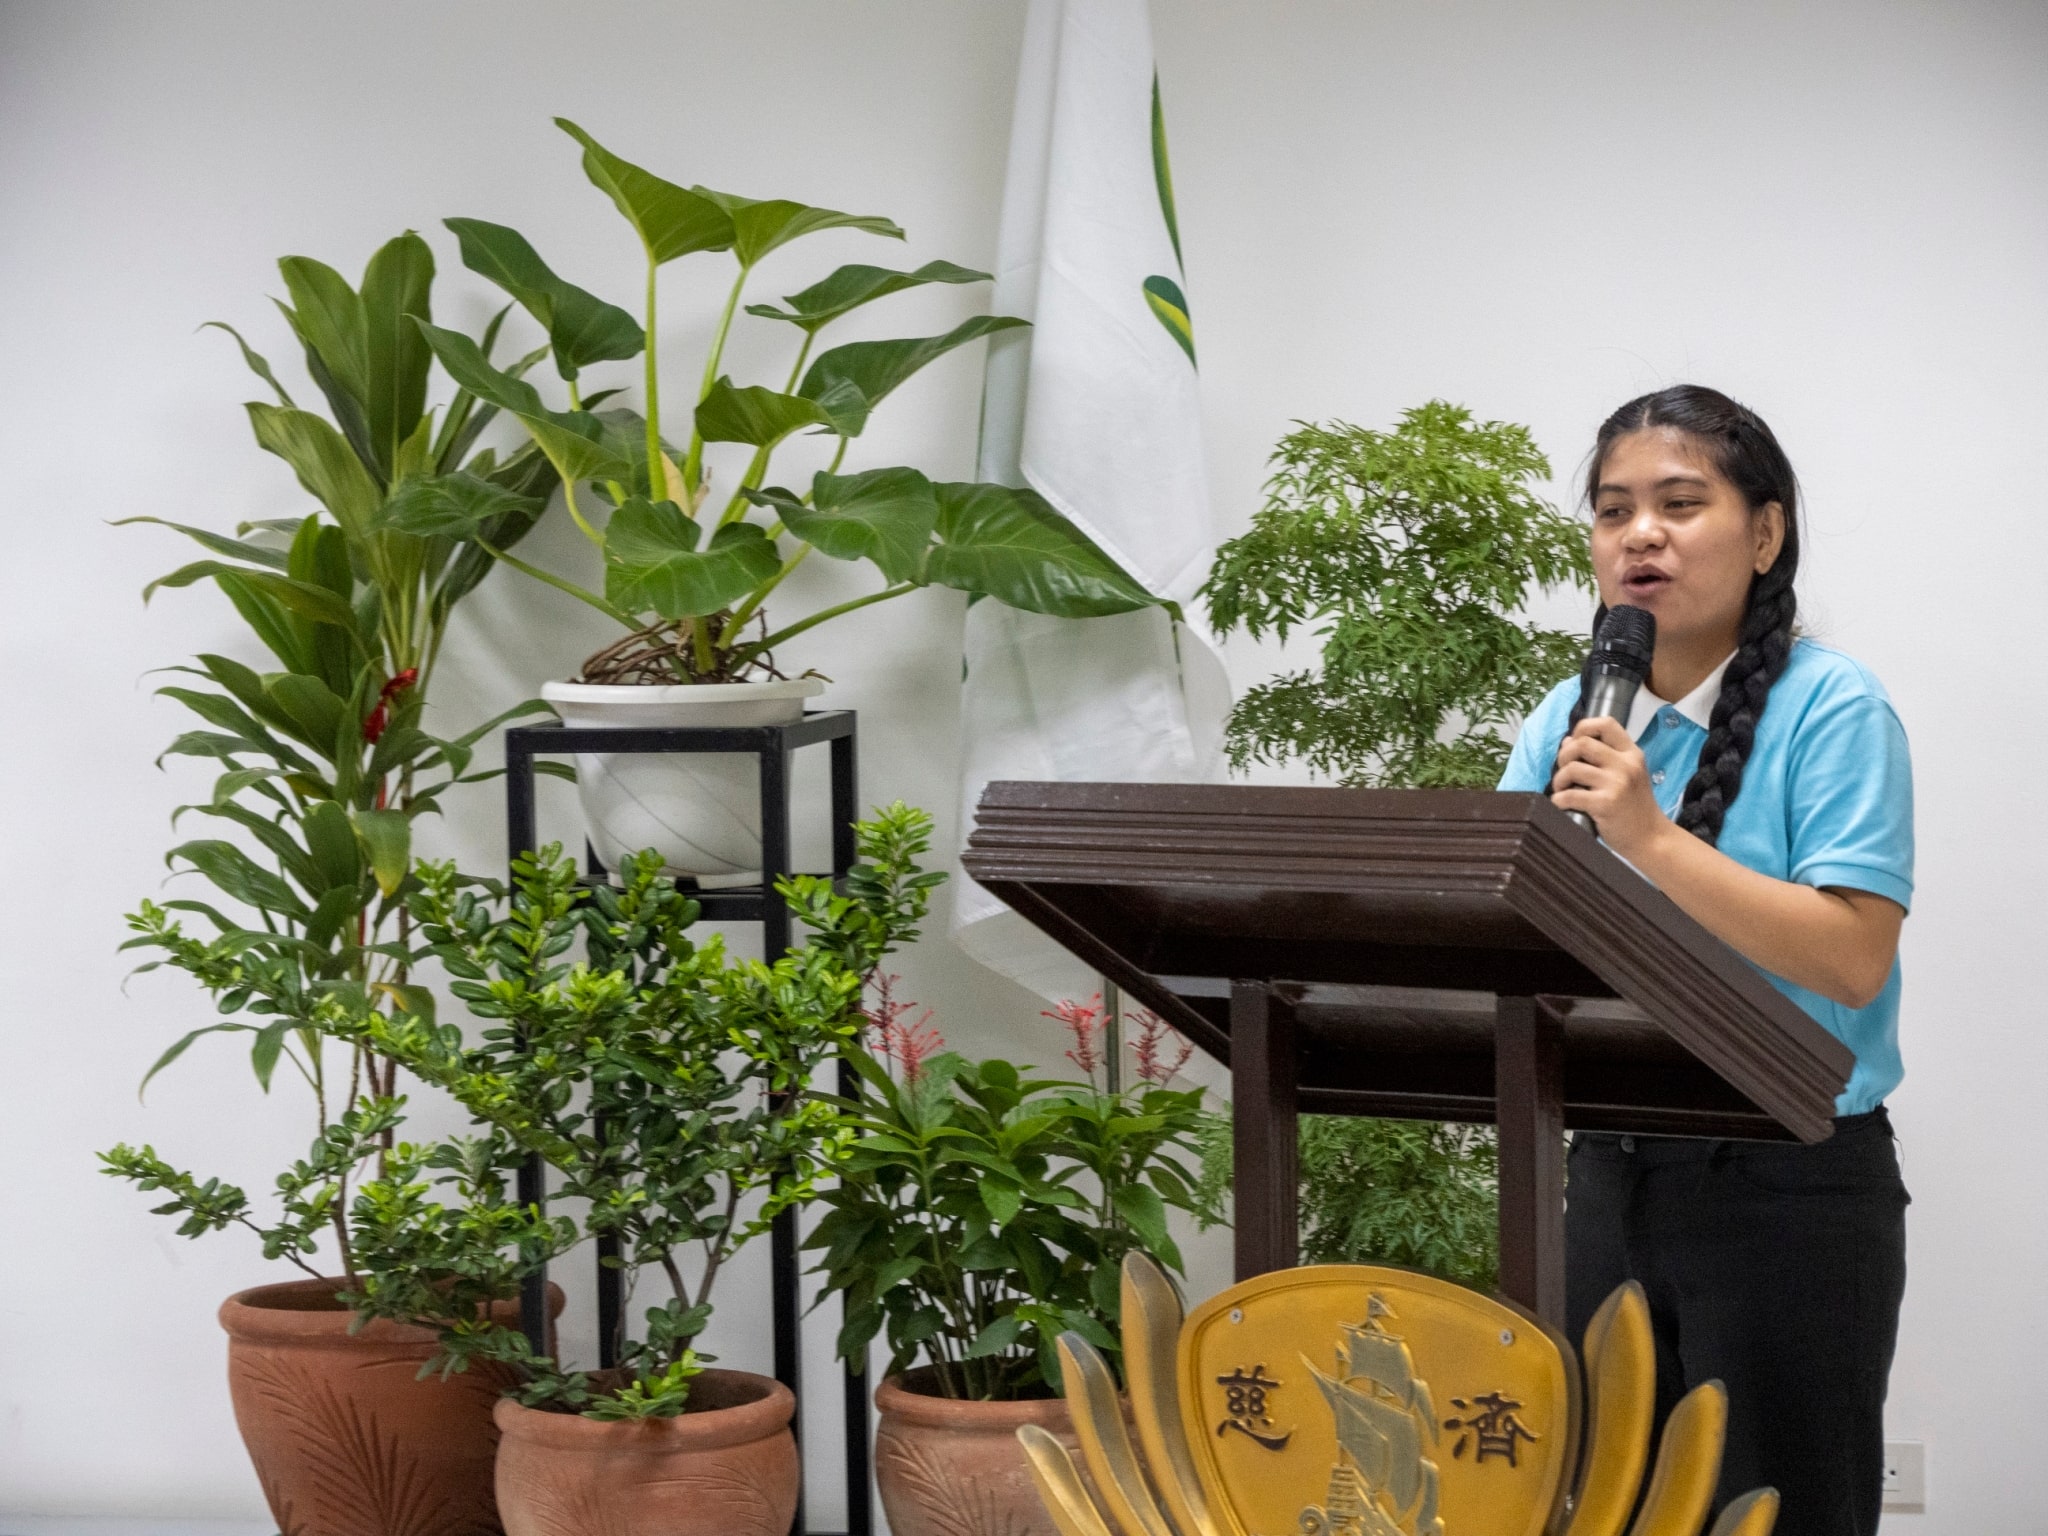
1697	706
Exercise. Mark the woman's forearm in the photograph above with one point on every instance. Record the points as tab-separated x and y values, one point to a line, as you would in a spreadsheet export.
1839	943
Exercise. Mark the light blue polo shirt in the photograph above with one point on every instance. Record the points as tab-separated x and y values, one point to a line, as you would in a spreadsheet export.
1826	800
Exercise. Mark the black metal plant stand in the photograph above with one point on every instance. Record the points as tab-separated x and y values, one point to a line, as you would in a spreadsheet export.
774	746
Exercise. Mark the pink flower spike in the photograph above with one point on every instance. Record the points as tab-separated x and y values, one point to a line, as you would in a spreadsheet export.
916	1044
885	1018
1085	1022
1153	1033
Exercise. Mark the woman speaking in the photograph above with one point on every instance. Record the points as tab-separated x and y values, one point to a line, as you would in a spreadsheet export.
1762	783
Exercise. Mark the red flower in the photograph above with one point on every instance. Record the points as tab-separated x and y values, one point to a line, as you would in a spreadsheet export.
1084	1021
910	1045
380	717
1153	1033
915	1043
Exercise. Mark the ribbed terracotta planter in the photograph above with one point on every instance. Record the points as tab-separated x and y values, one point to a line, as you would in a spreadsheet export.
346	1440
947	1467
727	1467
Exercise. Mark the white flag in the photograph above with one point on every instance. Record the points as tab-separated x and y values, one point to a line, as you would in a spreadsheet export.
1095	407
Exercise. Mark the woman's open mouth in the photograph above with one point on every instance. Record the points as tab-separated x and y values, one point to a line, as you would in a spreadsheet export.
1644	581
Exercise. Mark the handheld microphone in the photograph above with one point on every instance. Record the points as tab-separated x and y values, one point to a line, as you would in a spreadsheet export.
1616	668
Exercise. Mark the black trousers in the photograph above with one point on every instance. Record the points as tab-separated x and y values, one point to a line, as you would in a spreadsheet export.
1775	1269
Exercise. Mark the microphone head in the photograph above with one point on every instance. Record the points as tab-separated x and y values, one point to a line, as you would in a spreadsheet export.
1626	642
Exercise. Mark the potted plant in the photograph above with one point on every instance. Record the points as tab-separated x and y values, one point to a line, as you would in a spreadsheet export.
688	574
325	759
1412	553
980	1212
663	1084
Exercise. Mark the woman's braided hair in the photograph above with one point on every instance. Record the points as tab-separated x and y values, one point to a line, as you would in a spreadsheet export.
1746	451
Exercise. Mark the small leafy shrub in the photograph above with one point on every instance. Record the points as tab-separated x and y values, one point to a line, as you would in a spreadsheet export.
981	1211
663	1083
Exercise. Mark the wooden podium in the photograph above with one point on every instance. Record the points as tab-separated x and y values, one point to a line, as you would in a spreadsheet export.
1425	954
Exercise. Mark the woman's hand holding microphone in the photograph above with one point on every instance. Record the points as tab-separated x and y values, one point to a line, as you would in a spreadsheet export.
1601	773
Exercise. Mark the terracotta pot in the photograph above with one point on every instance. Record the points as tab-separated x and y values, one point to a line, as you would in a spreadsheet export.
948	1467
345	1438
727	1467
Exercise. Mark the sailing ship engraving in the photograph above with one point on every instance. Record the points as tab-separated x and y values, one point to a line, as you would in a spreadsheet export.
1383	1483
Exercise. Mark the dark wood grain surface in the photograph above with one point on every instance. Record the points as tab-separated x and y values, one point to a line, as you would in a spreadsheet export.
1391	920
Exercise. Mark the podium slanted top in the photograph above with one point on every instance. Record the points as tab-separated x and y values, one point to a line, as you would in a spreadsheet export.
1390	920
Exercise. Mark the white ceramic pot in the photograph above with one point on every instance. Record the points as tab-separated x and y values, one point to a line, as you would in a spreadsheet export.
701	809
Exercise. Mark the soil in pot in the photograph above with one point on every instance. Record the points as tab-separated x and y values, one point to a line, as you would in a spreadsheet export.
345	1437
950	1467
726	1467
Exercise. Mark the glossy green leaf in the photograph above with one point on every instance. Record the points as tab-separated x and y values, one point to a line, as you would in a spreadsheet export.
246	685
582	328
239	876
998	1337
671	221
852	380
268	555
572	440
328	316
183	1044
418	1001
755	415
258	364
1141	1206
652	560
302	598
323	461
332	843
759	227
265	1049
1010	544
397	290
386	838
315	709
229	716
883	515
455	506
1002	1200
852	286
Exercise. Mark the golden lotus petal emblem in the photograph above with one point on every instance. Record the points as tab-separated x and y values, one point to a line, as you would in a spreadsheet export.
1355	1400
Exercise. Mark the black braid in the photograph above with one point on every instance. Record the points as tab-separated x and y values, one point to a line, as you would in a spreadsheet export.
1745	689
1747	452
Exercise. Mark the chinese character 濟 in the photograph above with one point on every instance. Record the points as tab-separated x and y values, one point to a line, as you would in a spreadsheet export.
1493	1428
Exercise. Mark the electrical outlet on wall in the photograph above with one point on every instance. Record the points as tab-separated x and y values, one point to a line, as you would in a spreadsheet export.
1905	1477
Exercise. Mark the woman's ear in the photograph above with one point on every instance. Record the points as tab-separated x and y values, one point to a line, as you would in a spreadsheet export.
1770	535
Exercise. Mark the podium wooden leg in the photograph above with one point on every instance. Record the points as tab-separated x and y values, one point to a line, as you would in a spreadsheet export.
1265	1135
1529	1091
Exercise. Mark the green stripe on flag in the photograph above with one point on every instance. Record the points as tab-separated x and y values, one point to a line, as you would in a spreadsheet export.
1164	297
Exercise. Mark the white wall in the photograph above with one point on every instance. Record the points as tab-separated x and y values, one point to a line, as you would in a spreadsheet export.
1833	210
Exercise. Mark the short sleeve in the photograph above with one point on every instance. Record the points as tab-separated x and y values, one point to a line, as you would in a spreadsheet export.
1535	748
1849	799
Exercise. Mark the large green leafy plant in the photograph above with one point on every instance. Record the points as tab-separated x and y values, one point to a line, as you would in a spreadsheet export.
1412	555
324	755
687	573
664	1083
982	1210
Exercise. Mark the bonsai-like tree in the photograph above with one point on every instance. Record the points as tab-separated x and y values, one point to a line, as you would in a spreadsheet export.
1412	553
